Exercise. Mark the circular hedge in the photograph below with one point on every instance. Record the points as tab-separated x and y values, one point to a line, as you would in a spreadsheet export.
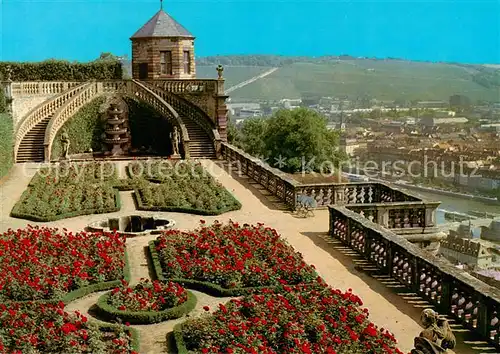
112	313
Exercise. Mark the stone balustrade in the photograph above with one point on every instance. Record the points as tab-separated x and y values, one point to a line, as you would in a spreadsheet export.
66	111
187	86
471	302
400	217
287	189
40	112
185	108
34	88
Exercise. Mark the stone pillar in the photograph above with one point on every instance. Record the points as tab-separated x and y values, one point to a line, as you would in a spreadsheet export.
7	89
430	217
383	217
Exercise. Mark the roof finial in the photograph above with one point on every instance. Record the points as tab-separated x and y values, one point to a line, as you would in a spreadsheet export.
161	4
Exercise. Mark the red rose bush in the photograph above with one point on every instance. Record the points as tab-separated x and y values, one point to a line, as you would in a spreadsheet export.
46	328
39	263
294	319
231	256
147	302
148	296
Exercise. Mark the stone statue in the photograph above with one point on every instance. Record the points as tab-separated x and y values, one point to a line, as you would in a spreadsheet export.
175	141
8	71
65	144
436	337
220	70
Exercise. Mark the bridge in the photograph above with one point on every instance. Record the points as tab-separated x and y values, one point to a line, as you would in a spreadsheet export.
196	107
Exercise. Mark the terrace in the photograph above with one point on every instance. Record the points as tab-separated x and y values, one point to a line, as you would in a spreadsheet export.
395	278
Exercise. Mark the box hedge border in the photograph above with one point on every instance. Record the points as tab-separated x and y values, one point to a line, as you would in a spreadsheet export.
86	290
179	340
172	209
203	286
16	214
145	317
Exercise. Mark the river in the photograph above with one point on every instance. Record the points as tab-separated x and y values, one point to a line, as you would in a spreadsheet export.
457	204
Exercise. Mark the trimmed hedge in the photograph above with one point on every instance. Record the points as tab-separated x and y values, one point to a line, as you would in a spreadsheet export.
205	287
6	143
179	340
62	70
145	317
173	209
15	213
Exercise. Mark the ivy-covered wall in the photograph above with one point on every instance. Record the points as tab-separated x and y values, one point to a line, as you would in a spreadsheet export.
84	129
148	128
6	143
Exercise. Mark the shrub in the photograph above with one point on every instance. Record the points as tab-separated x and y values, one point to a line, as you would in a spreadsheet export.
61	70
147	302
69	190
231	257
181	187
46	328
289	320
6	143
43	263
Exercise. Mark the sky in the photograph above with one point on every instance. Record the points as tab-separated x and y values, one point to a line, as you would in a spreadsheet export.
438	30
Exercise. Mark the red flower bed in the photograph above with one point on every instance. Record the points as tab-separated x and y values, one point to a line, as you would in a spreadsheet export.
45	328
148	296
44	263
295	319
232	256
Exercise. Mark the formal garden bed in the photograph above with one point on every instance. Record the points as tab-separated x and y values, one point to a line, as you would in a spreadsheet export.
39	263
292	319
47	328
229	259
179	187
41	270
68	190
146	302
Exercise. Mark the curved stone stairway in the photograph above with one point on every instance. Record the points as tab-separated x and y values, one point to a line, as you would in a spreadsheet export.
31	148
201	145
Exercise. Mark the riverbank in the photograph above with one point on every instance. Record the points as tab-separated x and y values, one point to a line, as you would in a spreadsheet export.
487	200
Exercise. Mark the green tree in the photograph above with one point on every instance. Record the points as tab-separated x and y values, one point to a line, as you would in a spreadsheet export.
252	136
233	133
299	139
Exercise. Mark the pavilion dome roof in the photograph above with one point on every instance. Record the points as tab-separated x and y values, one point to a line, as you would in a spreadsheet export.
162	25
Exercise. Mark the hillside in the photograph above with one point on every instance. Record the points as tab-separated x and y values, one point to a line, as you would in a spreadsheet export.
384	79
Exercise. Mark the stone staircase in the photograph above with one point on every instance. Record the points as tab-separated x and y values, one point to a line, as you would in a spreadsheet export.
31	148
200	144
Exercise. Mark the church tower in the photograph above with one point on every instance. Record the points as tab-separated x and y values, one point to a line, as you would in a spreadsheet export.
163	49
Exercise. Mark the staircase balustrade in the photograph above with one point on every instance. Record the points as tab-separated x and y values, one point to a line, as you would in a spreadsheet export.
41	112
185	108
66	111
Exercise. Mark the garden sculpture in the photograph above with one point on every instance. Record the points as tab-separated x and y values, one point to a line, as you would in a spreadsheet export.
436	337
175	141
305	204
65	144
220	70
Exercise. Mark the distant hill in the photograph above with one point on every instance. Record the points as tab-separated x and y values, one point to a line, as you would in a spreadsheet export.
344	75
385	79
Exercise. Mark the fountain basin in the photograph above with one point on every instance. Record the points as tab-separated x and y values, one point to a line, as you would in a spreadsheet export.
133	225
115	131
116	140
